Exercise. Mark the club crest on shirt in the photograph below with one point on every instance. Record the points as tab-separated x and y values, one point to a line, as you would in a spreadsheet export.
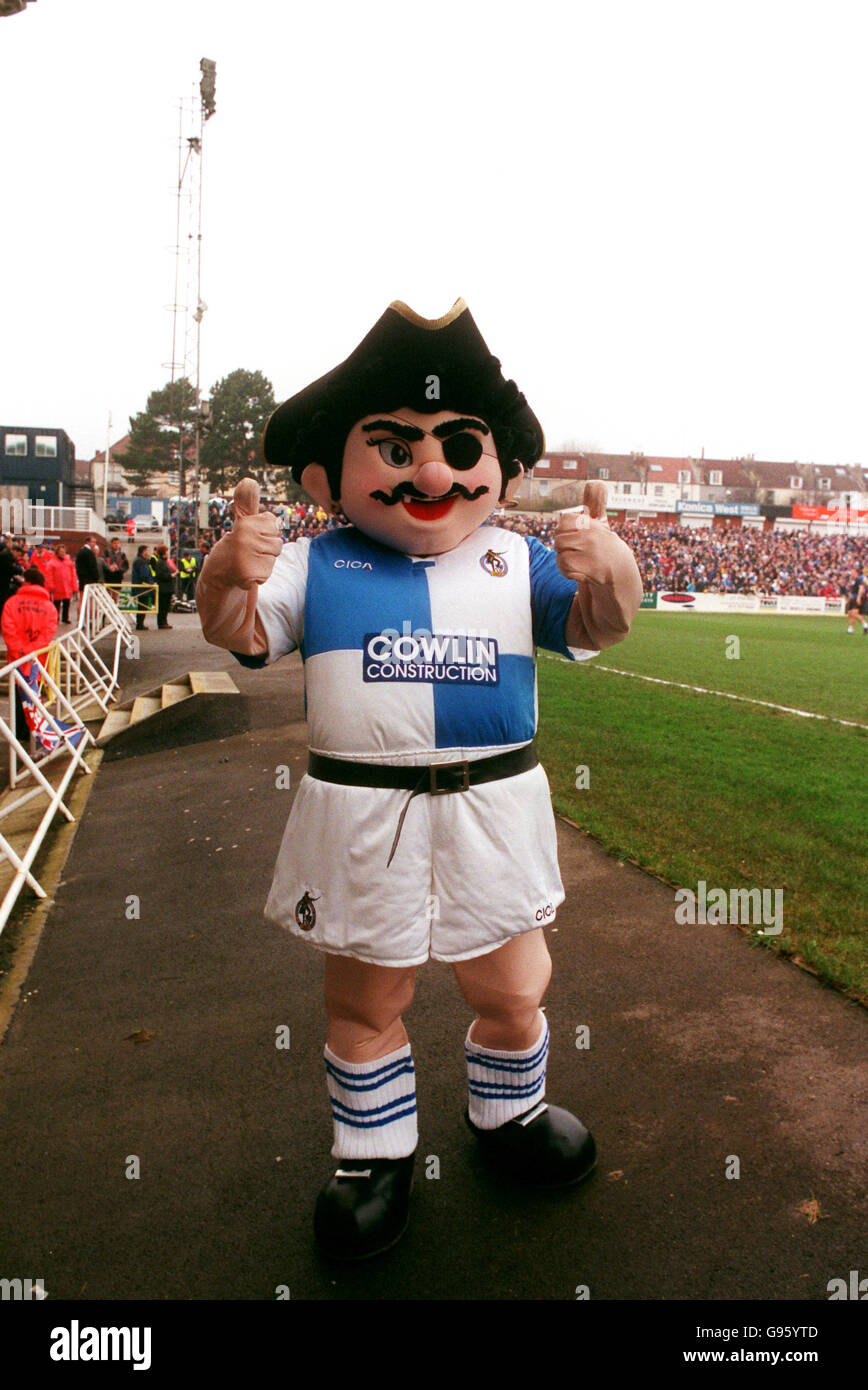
305	912
494	564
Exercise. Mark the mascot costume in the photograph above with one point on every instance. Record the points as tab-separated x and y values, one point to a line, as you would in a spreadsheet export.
424	824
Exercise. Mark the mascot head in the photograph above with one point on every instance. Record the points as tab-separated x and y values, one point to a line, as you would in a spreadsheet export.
416	437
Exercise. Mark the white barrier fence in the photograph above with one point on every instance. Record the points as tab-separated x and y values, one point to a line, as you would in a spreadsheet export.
23	765
99	615
69	676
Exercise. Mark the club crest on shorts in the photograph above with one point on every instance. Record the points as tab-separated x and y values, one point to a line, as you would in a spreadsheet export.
494	564
305	912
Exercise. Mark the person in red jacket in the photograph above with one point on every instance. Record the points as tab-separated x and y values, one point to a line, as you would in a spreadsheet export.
28	624
41	557
61	581
29	619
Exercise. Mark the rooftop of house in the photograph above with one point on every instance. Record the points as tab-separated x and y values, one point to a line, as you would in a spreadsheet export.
727	473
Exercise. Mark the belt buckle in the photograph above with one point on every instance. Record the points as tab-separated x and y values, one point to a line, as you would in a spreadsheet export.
433	770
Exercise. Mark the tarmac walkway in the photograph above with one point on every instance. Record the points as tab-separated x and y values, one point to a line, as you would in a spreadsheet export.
148	1043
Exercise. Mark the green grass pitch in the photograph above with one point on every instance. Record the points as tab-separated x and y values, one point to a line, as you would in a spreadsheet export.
699	787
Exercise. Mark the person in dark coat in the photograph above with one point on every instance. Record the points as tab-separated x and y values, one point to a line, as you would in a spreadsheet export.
87	565
143	580
165	585
7	570
115	566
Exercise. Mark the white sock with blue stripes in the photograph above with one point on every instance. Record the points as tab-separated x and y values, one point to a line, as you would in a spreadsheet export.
373	1105
505	1084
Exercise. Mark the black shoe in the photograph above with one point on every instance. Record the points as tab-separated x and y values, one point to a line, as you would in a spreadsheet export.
546	1146
364	1208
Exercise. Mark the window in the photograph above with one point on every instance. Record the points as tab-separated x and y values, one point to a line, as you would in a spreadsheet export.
684	475
658	489
655	467
603	473
796	483
16	445
715	478
825	484
626	488
543	463
570	463
46	446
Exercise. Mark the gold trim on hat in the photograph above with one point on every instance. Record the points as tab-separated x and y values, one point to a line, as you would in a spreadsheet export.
458	308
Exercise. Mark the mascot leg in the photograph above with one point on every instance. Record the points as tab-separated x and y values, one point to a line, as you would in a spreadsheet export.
506	1050
364	1208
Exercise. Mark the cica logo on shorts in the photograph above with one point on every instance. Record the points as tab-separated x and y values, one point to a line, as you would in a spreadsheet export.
448	658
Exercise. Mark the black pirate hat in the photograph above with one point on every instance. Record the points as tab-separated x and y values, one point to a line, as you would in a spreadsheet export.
418	364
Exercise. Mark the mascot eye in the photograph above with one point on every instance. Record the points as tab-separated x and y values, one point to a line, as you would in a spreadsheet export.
393	452
462	450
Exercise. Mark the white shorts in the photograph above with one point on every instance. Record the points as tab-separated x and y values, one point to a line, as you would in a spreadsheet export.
472	869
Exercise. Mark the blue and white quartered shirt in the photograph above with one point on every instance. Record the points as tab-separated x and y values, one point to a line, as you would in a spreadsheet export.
405	657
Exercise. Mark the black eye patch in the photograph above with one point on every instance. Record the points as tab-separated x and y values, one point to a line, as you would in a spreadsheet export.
462	450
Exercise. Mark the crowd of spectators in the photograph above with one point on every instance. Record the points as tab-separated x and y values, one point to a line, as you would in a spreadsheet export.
297	519
66	575
681	558
181	515
693	559
745	561
53	563
737	560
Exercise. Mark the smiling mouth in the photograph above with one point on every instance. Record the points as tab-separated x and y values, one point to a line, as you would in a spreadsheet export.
428	511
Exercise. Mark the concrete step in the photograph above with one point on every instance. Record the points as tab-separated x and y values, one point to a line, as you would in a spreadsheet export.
171	694
191	708
143	706
115	720
212	683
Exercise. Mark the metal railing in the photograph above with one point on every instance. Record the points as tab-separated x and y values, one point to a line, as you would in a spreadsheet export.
71	674
99	616
72	739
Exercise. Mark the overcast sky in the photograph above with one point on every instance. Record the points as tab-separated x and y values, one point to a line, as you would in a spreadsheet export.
655	210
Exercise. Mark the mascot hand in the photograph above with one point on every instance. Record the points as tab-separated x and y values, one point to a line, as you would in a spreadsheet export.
247	554
609	586
584	543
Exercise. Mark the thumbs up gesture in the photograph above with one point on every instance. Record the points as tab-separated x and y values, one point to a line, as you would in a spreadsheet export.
583	540
238	562
246	556
609	586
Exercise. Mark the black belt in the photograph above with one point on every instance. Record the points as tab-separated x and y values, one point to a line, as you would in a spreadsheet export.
437	779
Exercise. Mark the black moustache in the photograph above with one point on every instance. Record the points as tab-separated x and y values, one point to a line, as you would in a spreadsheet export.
408	490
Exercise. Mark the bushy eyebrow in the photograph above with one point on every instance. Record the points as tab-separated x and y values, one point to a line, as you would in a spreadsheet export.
410	432
455	426
413	432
